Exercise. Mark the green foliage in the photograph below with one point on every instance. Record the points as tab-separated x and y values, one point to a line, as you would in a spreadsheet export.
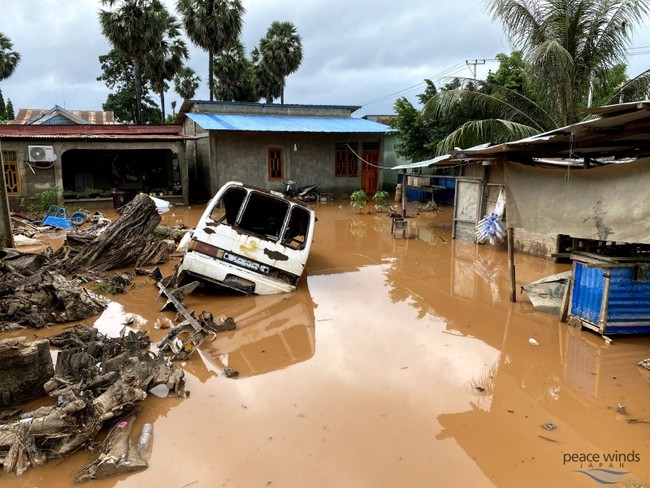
123	104
3	108
421	131
106	287
359	199
235	76
381	200
43	200
118	75
511	72
163	62
135	28
9	58
565	43
560	48
609	81
10	110
212	25
186	82
278	55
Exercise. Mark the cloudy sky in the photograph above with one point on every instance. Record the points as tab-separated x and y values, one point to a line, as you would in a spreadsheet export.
361	52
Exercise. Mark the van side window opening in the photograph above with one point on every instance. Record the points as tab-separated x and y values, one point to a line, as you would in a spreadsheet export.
229	206
264	215
295	236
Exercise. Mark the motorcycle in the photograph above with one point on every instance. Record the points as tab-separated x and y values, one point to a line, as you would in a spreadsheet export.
307	193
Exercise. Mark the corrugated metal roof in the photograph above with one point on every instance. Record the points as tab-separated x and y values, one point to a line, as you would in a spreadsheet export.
439	161
94	132
622	132
274	123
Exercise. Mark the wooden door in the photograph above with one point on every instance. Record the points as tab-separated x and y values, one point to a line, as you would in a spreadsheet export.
369	171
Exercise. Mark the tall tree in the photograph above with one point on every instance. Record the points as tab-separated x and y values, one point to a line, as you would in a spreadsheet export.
213	25
9	58
281	53
269	85
186	82
166	59
565	45
134	27
566	42
236	79
10	110
118	75
3	108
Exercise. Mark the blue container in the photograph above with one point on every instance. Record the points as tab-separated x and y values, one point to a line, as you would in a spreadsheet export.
611	295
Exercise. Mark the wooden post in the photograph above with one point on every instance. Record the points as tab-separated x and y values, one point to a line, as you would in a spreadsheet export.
6	233
511	265
404	187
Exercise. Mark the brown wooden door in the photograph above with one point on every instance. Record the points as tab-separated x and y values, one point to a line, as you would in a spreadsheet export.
369	171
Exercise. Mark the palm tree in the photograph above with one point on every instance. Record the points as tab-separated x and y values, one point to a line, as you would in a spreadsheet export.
235	75
186	82
213	25
565	45
281	52
166	60
269	85
134	27
9	58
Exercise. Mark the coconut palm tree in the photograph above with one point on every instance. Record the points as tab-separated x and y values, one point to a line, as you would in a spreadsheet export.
565	45
9	58
134	27
567	42
281	52
166	60
213	25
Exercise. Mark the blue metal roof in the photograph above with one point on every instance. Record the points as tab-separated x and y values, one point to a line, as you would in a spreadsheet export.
275	123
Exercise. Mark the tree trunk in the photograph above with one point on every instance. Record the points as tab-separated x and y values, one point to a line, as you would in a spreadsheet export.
211	74
138	91
126	242
162	102
26	367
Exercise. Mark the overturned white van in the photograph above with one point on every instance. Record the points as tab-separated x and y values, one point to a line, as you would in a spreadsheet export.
250	240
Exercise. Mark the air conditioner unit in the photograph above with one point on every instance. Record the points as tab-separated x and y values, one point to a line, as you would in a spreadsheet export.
41	153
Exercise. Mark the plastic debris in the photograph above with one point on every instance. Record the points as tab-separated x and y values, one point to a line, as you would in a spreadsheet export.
533	342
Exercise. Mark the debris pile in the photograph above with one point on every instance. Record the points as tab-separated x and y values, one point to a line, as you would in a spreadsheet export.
31	295
97	382
128	241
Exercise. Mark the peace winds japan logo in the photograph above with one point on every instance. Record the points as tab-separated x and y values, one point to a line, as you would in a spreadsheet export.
606	468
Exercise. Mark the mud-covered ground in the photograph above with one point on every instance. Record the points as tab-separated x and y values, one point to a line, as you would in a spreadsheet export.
396	363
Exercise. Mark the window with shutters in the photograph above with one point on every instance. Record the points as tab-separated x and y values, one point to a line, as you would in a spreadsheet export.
12	177
346	161
276	163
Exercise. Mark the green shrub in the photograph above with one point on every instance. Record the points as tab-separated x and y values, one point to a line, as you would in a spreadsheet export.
359	199
381	200
43	200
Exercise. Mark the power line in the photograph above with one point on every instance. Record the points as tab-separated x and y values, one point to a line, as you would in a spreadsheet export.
445	73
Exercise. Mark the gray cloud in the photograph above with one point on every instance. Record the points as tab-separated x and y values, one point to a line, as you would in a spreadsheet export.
355	52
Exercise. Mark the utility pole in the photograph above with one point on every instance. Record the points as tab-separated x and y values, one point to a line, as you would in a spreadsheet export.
473	64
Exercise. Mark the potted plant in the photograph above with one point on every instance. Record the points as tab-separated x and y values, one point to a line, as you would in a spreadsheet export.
381	200
359	199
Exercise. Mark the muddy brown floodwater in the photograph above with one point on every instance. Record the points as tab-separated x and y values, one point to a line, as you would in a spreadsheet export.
397	363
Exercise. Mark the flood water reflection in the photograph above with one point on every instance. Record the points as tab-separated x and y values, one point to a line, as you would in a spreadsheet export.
397	362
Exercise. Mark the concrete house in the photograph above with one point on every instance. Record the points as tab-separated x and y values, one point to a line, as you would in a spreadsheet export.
266	144
106	163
